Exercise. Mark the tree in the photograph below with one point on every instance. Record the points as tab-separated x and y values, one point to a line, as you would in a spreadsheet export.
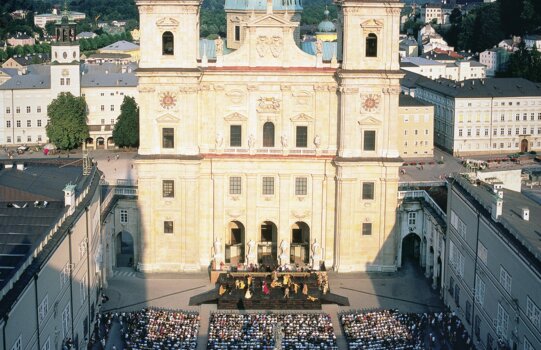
126	131
526	63
67	121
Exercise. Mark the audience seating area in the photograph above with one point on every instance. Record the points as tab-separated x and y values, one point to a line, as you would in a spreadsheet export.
265	331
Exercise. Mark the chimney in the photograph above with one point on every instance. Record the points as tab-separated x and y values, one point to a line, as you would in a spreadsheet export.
525	214
69	195
497	208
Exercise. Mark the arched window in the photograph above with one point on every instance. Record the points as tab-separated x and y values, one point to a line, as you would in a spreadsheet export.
371	45
268	134
168	45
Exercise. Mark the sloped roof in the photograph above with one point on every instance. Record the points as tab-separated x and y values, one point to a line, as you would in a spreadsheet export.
483	88
329	48
261	5
108	74
121	45
38	76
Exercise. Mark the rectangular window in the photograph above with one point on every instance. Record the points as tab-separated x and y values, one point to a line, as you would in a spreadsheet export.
66	321
237	33
482	252
451	285
469	132
368	190
517	131
505	279
8	123
524	131
8	139
301	137
8	110
468	311
502	131
235	136
486	132
18	139
43	309
28	109
38	109
61	81
29	138
477	326
460	132
123	216
369	140
168	138
39	122
502	322
168	227
268	185
18	123
412	218
301	187
495	132
112	108
479	290
17	110
525	116
39	138
533	313
168	188
29	123
82	289
367	228
102	107
235	185
67	81
456	259
509	131
457	295
112	121
103	122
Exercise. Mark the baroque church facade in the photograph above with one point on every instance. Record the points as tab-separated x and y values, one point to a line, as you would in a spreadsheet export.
262	152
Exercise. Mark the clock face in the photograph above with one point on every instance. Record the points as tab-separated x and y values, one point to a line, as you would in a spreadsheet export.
370	102
168	100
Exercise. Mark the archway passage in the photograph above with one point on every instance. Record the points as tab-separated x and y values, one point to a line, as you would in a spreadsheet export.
234	247
524	145
300	243
267	247
100	143
411	247
124	249
110	142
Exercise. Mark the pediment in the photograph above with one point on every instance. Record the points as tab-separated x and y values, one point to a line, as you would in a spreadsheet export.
302	118
235	117
369	121
372	23
270	21
167	118
167	22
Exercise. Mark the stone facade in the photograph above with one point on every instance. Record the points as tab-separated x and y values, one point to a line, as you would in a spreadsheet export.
416	125
268	143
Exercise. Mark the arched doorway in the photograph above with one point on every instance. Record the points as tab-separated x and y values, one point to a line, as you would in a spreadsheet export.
524	145
124	249
234	246
411	247
267	247
110	142
89	142
300	243
100	143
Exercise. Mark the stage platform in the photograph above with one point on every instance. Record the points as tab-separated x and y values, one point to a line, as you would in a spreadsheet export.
234	298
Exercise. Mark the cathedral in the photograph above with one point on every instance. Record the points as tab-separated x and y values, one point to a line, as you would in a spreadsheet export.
260	147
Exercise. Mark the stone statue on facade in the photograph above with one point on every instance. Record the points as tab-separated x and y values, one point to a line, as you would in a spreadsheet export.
317	141
316	255
319	47
218	255
219	44
284	254
219	140
283	140
251	141
251	256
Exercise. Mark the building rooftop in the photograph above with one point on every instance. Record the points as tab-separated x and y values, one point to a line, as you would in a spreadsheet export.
261	5
108	75
37	76
421	61
483	88
121	45
408	101
410	79
526	234
31	202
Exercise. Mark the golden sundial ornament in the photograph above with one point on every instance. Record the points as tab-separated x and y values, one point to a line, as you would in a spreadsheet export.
168	100
370	102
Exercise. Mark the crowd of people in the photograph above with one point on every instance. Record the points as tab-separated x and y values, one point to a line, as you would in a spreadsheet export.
155	329
267	331
390	329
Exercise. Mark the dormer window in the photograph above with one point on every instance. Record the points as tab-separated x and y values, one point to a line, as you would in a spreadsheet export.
168	45
371	45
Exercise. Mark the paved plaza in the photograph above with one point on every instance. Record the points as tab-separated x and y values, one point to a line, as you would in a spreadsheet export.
407	290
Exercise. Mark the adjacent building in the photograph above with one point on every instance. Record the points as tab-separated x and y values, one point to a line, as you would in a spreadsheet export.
456	71
432	13
493	260
416	128
21	39
495	59
41	20
122	47
267	144
429	40
51	257
484	116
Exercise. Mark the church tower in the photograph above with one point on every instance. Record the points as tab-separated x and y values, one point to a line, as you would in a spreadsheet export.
65	70
368	159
